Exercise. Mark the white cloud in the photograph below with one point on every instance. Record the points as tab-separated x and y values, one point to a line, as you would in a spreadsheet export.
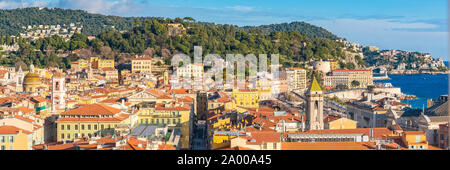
11	4
241	8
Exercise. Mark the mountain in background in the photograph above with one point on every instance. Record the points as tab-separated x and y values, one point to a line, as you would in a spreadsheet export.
302	27
12	21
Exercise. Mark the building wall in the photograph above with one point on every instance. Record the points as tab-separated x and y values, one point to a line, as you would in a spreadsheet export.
296	79
21	141
140	65
341	123
246	98
72	129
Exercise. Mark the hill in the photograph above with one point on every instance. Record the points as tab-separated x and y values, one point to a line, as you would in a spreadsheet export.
302	27
159	37
12	21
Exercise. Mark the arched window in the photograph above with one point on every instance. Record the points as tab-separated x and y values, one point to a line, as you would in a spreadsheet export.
57	86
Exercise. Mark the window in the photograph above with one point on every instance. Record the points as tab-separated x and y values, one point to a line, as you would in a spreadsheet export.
11	147
417	139
62	135
62	127
2	139
2	148
68	136
95	127
68	127
82	127
76	127
89	127
11	139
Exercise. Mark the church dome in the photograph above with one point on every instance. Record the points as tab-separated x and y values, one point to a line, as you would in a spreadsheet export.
32	78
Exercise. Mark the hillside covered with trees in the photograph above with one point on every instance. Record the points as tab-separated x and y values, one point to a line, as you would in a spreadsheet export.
159	38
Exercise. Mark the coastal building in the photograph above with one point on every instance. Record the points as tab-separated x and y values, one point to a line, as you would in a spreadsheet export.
349	78
444	136
296	79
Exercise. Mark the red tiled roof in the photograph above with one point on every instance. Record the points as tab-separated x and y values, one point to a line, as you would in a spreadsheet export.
331	118
257	137
93	109
327	145
378	133
8	130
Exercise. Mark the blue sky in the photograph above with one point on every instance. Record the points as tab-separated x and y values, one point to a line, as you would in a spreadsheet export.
414	25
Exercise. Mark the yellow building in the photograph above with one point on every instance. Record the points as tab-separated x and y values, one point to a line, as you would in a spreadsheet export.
414	140
335	122
97	63
90	120
221	140
223	101
247	98
172	114
80	64
141	64
13	138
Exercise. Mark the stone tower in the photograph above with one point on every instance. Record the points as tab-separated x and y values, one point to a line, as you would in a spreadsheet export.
58	92
314	107
19	80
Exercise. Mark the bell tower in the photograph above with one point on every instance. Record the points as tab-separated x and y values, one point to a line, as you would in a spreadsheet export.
19	80
314	107
58	92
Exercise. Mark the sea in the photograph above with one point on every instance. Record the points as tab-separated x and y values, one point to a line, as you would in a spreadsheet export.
424	86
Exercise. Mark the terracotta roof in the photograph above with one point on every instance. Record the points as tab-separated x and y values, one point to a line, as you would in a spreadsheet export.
327	145
24	118
93	109
25	110
166	147
378	133
164	97
331	118
257	137
161	106
186	99
12	130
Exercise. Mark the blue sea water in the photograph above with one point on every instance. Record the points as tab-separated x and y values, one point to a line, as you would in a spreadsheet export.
424	86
